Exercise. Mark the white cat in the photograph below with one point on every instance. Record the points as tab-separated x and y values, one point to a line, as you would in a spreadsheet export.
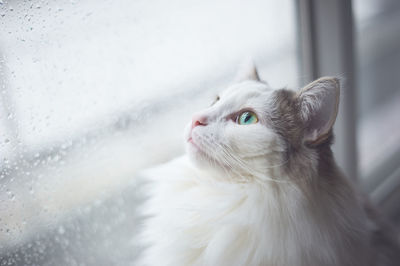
259	186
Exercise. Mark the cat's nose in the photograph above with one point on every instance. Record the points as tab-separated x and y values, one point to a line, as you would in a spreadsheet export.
199	120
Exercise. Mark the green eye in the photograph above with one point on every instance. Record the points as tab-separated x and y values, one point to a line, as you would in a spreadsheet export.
247	118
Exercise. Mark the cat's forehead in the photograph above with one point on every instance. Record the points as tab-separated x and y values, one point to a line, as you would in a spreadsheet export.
245	89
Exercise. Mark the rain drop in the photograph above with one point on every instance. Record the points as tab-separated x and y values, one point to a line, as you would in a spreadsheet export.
61	230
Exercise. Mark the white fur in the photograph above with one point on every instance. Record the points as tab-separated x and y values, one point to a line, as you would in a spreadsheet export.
227	202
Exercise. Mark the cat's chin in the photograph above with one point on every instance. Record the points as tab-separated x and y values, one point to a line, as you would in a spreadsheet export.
203	161
198	156
194	152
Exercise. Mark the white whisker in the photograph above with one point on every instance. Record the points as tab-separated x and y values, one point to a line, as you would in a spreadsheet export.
237	166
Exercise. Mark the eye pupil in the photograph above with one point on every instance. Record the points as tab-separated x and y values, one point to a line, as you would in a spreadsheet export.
248	116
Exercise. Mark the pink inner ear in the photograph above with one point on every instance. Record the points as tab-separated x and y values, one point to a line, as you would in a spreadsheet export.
322	118
320	106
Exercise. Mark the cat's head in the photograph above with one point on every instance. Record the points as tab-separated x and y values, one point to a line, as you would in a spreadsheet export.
253	131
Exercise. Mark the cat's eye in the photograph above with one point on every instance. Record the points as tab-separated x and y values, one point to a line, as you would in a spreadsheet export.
216	100
247	118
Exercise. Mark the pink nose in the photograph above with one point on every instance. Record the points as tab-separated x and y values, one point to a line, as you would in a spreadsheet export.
199	120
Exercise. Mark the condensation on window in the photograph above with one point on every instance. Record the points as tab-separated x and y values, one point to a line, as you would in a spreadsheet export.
93	91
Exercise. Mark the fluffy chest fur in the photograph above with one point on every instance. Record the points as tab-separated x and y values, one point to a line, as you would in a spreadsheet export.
195	221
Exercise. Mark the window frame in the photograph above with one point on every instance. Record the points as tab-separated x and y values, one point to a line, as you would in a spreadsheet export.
326	39
325	36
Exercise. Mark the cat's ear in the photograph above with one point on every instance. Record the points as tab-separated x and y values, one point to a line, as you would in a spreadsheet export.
247	71
319	104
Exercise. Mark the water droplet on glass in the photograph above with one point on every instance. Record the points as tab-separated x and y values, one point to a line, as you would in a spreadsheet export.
10	195
61	230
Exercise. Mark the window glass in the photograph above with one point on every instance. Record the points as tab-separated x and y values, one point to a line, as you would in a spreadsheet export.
377	25
92	91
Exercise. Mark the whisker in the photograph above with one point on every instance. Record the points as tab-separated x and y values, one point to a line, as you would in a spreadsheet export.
232	164
227	151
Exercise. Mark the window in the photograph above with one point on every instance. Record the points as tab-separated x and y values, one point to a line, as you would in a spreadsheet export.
86	89
378	96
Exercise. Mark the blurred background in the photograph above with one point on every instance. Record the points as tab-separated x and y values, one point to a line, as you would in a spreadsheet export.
87	87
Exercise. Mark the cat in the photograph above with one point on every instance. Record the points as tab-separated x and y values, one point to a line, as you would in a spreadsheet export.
259	186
